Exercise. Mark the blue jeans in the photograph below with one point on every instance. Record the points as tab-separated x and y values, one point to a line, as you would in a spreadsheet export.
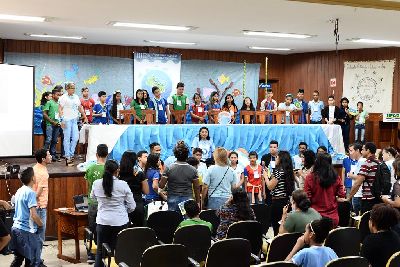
173	202
52	133
41	232
71	135
26	247
214	203
360	128
357	205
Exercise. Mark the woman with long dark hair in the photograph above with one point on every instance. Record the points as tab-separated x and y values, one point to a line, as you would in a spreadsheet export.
248	106
324	187
236	209
204	141
281	184
116	107
308	162
137	182
146	96
138	104
230	106
115	201
153	176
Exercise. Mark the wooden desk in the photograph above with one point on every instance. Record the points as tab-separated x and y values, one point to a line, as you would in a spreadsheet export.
68	224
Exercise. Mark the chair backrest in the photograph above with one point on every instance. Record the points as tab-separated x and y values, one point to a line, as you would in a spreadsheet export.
363	226
229	252
394	260
167	255
211	217
128	115
164	223
214	114
249	230
150	116
245	116
261	117
281	246
131	252
263	215
344	241
279	117
351	261
344	210
196	238
295	116
278	264
179	116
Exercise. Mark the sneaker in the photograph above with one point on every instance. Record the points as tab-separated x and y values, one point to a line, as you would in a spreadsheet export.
91	259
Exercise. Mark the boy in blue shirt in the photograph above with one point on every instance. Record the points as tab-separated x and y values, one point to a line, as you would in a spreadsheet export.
315	108
160	105
301	105
100	110
25	242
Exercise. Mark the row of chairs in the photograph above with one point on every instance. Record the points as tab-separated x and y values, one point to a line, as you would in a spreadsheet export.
246	117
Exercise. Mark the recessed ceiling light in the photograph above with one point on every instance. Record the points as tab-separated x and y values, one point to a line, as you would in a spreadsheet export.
372	41
277	34
169	42
151	26
269	48
44	35
22	18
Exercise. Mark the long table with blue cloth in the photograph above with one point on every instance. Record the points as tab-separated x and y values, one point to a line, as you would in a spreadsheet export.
252	137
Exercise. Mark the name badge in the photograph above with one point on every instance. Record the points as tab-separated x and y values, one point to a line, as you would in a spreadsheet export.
315	109
56	116
272	164
232	113
287	113
178	102
256	175
353	168
142	107
160	107
87	112
199	109
104	114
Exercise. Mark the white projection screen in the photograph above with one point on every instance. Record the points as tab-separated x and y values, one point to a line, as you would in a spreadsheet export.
16	110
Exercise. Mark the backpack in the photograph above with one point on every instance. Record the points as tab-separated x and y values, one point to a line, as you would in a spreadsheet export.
382	184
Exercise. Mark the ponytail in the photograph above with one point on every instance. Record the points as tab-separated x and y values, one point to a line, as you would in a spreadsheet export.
110	168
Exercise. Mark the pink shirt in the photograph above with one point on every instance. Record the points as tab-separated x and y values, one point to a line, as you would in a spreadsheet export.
41	181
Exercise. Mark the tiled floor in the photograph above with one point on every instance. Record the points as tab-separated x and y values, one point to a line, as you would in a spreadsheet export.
50	255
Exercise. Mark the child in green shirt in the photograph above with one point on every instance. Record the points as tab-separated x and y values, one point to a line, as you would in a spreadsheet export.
193	211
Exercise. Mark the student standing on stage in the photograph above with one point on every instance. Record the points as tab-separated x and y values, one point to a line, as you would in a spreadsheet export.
93	173
160	105
269	104
24	241
248	106
230	106
41	188
344	121
204	142
138	104
146	96
331	113
179	101
288	107
87	103
253	179
116	107
213	105
53	128
198	110
100	110
315	108
360	120
301	105
69	108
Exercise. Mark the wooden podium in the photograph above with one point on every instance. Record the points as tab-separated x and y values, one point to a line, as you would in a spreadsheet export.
383	134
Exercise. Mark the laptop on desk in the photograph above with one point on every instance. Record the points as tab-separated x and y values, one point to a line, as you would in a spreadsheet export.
81	203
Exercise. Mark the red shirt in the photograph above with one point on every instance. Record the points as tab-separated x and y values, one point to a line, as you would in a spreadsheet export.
87	105
323	200
256	181
198	110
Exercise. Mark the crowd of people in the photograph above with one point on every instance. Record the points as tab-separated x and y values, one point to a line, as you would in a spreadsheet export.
62	112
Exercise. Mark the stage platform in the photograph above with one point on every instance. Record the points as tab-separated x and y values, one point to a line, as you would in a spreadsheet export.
120	138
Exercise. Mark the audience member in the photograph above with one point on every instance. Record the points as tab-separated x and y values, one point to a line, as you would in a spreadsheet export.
323	187
315	108
379	246
236	209
53	126
388	156
219	180
160	105
344	120
301	105
116	107
281	184
355	154
153	176
322	150
25	242
349	165
202	167
138	104
297	159
192	212
41	188
87	103
308	163
331	113
198	110
137	182
394	198
230	106
253	180
361	117
316	254
204	142
268	160
180	177
100	111
69	105
141	160
297	214
4	233
236	166
115	201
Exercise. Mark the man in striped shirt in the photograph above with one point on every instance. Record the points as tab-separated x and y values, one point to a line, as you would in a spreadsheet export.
366	178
